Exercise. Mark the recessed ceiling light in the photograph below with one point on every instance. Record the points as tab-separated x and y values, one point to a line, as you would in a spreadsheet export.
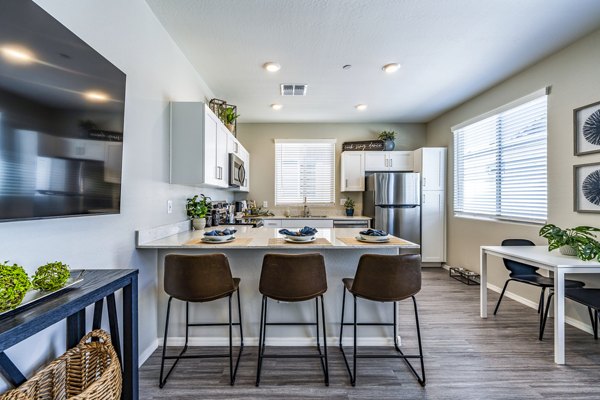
391	68
276	106
96	96
271	66
17	54
361	107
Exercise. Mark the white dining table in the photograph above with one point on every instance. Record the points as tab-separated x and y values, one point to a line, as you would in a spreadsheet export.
539	256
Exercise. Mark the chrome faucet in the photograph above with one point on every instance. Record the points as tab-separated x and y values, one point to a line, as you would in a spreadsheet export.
306	210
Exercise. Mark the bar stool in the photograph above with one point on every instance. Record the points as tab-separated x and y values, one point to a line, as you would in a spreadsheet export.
200	279
293	278
384	278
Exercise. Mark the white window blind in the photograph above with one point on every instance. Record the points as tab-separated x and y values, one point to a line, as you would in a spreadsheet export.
500	163
304	168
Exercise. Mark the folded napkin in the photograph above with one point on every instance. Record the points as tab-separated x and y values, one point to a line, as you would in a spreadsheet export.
217	232
373	232
306	231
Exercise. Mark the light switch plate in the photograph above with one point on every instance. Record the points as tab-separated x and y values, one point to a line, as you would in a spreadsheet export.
342	201
265	204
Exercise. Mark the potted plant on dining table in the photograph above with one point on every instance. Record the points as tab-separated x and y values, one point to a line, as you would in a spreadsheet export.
579	241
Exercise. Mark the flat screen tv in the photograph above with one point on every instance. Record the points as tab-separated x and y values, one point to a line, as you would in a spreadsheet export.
61	120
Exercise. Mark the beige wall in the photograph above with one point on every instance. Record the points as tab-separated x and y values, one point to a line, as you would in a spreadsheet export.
258	140
573	75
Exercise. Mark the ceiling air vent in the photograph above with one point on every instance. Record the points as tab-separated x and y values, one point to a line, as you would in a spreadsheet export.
291	89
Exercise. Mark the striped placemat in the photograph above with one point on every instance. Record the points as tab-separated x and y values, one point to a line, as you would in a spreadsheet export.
283	242
236	242
394	241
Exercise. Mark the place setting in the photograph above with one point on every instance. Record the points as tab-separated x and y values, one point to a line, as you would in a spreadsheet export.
217	236
372	236
303	236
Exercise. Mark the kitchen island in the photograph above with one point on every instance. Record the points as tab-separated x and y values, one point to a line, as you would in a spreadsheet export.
245	254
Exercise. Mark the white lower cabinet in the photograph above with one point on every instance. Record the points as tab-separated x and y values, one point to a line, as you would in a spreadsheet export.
272	223
301	223
433	226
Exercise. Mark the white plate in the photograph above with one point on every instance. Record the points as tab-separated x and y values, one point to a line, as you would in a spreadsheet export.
308	238
373	239
311	239
223	238
205	240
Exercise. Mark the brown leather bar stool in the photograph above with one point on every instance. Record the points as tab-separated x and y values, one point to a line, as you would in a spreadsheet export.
200	279
384	278
293	278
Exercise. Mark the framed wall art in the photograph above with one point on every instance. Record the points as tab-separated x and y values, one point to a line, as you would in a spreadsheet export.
586	127
586	180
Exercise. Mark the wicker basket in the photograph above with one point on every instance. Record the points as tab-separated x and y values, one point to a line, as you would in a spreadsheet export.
89	371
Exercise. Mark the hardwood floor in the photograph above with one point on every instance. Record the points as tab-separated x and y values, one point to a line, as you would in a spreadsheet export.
466	357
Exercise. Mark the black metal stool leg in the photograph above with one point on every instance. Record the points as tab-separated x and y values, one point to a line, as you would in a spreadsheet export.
353	377
260	340
162	382
342	322
326	368
231	377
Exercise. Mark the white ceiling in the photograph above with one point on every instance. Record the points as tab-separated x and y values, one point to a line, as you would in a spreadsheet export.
450	50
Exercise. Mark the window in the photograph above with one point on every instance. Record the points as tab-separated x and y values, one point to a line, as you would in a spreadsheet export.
500	163
304	168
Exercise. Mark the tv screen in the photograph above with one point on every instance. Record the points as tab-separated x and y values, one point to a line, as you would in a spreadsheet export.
61	120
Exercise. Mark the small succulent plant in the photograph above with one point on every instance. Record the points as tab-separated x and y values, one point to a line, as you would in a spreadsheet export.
51	276
14	283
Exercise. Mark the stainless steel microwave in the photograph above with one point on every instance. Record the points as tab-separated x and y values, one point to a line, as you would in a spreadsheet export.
237	172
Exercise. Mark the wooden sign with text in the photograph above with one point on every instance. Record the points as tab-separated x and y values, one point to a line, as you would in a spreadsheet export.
367	145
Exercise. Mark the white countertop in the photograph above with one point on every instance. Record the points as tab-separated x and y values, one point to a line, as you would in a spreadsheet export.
259	239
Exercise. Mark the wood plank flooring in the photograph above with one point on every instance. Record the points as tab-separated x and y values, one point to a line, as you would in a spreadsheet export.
466	357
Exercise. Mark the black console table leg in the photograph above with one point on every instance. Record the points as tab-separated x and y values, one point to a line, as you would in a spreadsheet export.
97	324
75	328
130	341
114	325
10	371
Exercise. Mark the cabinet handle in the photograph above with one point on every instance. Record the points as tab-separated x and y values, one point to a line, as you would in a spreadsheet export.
385	162
346	183
391	162
424	181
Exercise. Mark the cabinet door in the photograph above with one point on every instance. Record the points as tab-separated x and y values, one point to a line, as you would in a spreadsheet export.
245	156
272	223
433	226
352	171
233	146
376	161
211	133
400	160
433	168
222	156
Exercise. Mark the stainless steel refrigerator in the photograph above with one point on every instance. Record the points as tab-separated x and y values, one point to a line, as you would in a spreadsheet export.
393	200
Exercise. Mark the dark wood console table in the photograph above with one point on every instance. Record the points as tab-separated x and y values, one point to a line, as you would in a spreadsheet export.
97	285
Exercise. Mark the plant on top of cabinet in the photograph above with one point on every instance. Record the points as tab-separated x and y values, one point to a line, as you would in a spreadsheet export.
578	241
228	115
14	283
388	139
349	205
197	209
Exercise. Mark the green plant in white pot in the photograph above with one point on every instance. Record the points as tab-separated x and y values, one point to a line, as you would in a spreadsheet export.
197	207
578	241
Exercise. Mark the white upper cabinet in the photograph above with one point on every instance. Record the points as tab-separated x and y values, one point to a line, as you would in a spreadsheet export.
353	171
198	146
431	163
388	161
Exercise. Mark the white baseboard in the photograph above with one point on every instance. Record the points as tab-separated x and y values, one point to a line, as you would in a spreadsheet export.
288	341
145	355
520	299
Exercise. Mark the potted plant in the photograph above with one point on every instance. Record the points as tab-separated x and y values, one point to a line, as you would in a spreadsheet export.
578	241
196	209
388	139
349	205
228	116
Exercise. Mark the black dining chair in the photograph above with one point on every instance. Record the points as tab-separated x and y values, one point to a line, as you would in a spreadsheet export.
528	275
589	297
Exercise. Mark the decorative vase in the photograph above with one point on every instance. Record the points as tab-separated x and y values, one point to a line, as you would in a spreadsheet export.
199	223
349	212
388	145
567	251
231	127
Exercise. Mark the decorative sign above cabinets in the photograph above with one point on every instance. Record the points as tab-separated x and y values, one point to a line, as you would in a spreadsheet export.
367	145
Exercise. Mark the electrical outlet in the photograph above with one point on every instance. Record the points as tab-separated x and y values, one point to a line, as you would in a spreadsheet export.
265	204
169	206
342	201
